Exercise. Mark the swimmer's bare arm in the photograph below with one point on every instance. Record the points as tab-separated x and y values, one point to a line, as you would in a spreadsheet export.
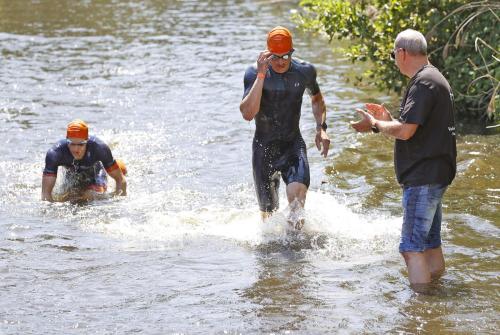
250	105
121	183
319	111
48	183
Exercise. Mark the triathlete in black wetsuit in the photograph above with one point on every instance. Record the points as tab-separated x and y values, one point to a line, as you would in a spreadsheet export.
85	159
274	87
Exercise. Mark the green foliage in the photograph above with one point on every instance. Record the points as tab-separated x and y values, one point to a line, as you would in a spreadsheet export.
462	36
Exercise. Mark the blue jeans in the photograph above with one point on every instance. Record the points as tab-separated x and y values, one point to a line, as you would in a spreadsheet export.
422	217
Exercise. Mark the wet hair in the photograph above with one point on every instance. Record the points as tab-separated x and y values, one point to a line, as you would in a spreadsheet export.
412	41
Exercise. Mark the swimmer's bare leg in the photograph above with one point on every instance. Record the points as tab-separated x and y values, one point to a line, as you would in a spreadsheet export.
265	215
296	194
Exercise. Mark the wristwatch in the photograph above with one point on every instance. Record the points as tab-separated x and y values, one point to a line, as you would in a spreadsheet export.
323	126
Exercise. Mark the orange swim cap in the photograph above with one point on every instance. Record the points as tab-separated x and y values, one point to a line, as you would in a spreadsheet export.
122	166
77	129
279	40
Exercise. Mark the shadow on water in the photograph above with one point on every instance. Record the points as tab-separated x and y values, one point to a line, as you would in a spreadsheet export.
285	279
294	241
283	285
446	307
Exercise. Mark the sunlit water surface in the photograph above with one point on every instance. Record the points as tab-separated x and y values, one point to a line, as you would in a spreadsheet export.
185	252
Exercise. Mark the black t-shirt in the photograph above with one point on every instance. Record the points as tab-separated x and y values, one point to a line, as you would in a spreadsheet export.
279	114
429	156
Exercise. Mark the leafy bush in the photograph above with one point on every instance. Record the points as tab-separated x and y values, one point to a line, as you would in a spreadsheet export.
462	38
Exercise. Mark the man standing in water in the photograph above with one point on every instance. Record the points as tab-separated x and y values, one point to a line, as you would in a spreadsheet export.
85	159
274	87
424	154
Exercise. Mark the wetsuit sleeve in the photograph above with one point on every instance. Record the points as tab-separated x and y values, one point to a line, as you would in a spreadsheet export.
106	157
51	163
249	79
312	85
419	103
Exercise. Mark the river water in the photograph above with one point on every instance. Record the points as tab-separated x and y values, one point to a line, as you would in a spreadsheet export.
185	252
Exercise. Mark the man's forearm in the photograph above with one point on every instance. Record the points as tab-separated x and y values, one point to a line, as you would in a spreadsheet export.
396	129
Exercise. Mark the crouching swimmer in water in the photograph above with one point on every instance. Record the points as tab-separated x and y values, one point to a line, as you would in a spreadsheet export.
87	162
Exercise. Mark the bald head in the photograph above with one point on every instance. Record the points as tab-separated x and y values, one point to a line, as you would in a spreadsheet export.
412	41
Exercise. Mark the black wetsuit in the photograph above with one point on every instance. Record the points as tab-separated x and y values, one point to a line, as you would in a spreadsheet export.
278	146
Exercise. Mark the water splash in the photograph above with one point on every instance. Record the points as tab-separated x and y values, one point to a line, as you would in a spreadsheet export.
330	226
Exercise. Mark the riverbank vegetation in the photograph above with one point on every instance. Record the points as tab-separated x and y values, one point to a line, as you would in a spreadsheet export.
463	40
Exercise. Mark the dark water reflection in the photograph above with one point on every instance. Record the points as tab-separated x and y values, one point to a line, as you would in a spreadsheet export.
161	81
281	292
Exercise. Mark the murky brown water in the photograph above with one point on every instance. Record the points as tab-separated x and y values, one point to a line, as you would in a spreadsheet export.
185	252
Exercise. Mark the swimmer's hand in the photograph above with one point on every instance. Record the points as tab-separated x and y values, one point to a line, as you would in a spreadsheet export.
120	192
263	61
322	142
